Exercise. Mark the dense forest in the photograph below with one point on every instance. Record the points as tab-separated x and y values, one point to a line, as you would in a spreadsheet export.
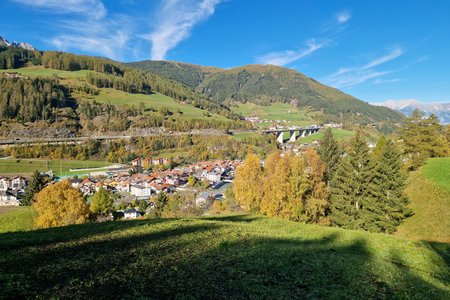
29	100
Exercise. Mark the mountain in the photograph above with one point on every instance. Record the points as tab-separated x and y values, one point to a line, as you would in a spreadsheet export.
265	84
4	42
407	106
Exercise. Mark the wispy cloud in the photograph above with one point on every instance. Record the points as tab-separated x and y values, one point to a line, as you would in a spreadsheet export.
351	76
92	8
175	21
343	16
88	26
282	58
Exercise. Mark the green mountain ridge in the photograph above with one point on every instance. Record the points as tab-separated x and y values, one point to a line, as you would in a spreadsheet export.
265	84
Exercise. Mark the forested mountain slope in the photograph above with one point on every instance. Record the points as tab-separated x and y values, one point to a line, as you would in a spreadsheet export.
265	84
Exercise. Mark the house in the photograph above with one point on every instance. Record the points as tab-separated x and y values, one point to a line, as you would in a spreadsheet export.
214	176
136	162
8	199
131	213
140	191
18	183
4	183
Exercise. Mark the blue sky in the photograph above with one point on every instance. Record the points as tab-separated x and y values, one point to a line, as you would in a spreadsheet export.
374	50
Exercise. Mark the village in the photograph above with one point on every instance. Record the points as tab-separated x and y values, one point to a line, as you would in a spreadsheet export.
143	180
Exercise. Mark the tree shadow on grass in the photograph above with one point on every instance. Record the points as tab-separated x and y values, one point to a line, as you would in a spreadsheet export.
234	218
201	260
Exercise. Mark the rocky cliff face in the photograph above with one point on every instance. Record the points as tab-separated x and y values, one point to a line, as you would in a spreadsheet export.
5	42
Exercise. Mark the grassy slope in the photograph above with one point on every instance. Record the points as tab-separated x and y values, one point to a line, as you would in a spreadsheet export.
339	134
108	95
23	166
16	218
233	257
276	111
430	200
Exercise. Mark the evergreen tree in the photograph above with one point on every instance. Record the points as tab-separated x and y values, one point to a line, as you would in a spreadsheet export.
350	186
101	202
329	153
35	185
386	206
160	203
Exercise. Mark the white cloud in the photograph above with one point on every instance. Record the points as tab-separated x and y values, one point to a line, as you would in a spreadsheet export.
343	17
175	21
93	8
88	28
351	76
384	59
282	58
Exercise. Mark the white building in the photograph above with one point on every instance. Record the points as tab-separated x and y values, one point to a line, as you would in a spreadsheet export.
140	191
8	199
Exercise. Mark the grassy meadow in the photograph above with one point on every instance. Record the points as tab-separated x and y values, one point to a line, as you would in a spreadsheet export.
338	133
223	257
276	111
16	218
59	167
428	192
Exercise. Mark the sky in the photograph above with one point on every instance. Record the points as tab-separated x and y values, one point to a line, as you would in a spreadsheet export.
374	50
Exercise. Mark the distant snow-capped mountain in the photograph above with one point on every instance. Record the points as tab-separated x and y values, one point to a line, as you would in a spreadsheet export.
441	110
5	42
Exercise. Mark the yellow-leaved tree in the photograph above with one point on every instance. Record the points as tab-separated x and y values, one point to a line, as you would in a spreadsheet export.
247	185
60	204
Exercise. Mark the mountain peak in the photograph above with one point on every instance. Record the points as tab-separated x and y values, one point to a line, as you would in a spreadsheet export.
4	42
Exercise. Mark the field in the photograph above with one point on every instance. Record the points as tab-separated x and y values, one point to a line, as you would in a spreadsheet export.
59	167
13	218
224	257
277	111
339	134
430	199
437	170
116	97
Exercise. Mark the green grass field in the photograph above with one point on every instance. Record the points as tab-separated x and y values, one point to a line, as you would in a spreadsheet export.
116	97
59	167
339	134
224	257
40	71
428	191
16	218
276	111
437	170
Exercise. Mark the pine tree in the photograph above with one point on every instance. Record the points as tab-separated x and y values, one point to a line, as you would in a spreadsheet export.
350	186
386	206
329	153
160	203
35	185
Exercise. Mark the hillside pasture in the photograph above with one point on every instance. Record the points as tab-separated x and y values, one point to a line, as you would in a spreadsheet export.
277	111
219	257
338	133
428	192
16	218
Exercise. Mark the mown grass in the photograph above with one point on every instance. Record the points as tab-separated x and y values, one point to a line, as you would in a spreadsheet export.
430	202
224	257
277	111
339	134
17	219
59	167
